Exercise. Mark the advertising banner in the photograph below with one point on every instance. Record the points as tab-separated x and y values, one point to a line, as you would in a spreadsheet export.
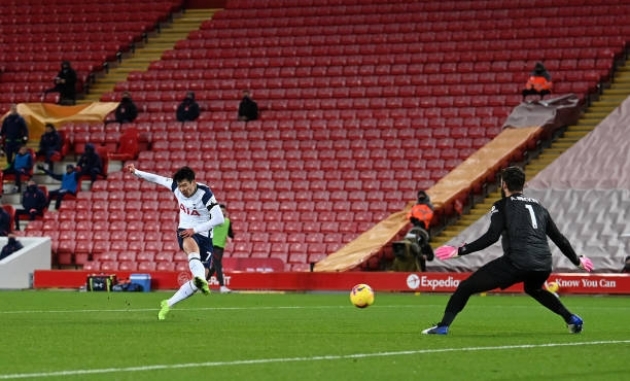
568	283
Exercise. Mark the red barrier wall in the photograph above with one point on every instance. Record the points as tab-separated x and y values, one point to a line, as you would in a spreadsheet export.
380	281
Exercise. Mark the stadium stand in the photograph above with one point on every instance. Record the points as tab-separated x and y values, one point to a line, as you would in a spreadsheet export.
353	94
89	34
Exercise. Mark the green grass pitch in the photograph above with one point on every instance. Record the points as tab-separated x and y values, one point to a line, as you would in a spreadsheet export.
62	335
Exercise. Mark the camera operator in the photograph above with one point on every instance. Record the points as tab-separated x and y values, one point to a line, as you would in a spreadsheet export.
412	253
414	250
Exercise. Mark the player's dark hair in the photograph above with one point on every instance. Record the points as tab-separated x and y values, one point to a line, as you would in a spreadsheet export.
184	174
514	178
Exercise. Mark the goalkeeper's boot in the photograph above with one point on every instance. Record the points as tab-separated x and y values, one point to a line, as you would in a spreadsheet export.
436	330
575	324
201	284
163	310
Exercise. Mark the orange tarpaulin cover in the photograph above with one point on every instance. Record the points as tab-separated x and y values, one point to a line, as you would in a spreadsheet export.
367	244
457	183
38	114
478	167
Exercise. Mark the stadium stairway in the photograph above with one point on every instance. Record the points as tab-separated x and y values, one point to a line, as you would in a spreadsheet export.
610	98
152	50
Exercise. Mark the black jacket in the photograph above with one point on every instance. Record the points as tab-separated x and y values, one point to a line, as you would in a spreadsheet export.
248	109
90	161
11	247
49	141
5	223
69	86
126	111
14	129
188	110
33	198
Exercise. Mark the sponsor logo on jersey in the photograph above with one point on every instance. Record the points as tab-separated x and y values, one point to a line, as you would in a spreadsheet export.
192	212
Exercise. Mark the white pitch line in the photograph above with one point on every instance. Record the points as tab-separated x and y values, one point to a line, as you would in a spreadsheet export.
260	308
79	372
485	307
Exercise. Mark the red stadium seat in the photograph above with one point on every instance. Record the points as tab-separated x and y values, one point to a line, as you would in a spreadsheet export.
101	246
107	256
164	257
146	256
165	266
109	266
128	266
147	266
92	266
127	256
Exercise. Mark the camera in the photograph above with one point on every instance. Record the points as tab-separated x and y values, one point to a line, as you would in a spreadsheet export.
414	248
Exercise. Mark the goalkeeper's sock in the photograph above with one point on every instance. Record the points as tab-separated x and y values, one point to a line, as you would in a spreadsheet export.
447	319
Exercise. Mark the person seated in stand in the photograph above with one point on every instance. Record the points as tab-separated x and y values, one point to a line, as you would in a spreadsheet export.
90	163
539	82
65	84
188	110
49	144
69	184
126	111
247	109
33	202
5	222
21	166
11	247
14	133
626	266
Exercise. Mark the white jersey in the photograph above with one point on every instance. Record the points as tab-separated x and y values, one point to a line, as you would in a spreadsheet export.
200	211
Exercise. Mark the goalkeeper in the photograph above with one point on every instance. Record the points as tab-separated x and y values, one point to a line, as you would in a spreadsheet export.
524	225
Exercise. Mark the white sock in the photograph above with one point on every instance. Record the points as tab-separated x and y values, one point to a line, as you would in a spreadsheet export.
195	265
185	291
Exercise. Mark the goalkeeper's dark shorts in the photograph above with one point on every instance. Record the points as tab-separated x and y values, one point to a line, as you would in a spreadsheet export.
501	273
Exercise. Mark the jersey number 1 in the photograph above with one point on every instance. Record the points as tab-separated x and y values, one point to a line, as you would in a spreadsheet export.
532	215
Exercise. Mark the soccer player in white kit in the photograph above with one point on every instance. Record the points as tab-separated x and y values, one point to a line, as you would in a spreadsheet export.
199	212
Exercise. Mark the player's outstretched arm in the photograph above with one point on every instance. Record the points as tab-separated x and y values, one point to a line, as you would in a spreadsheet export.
152	177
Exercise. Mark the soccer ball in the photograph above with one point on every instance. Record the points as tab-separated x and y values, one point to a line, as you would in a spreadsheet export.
362	295
553	287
